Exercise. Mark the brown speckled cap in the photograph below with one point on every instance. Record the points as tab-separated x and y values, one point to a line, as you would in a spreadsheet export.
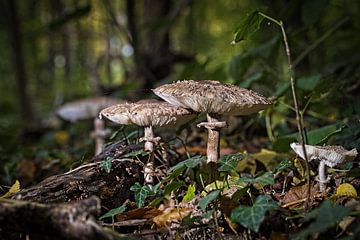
85	108
147	113
331	155
212	97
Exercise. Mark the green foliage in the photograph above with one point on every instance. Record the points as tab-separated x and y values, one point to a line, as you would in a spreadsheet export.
323	218
181	166
106	164
113	212
173	186
248	26
264	179
208	199
142	192
313	137
190	193
229	162
252	217
308	83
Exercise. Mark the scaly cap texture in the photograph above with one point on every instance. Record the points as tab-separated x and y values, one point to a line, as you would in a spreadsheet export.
212	97
147	113
331	155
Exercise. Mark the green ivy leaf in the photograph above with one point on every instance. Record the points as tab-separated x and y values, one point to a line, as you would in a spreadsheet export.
252	217
106	164
229	162
206	200
141	193
190	193
264	179
248	26
189	163
114	212
324	217
174	185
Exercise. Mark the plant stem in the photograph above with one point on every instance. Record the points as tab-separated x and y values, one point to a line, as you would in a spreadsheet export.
299	119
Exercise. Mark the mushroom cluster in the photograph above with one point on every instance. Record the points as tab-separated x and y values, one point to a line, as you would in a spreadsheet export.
148	114
183	98
214	99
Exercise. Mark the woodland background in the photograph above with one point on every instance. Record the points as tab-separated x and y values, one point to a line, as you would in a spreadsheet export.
60	50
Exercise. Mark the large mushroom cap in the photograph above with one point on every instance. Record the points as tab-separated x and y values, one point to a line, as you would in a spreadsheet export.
212	97
85	109
147	113
331	155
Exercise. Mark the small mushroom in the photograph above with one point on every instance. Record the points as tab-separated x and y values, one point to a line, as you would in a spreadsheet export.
215	99
85	109
148	114
330	156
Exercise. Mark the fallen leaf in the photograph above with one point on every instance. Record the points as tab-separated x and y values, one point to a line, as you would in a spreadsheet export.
169	215
13	189
266	157
346	189
297	195
139	213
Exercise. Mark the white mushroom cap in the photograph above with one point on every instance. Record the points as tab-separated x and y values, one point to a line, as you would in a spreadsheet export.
85	109
147	113
331	155
212	97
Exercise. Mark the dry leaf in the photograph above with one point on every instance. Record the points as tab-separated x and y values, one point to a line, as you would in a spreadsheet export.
297	195
14	189
169	215
139	213
346	189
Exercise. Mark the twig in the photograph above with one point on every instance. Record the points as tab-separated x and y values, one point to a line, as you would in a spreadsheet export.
318	41
299	119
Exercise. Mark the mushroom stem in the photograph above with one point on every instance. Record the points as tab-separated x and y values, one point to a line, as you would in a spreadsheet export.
99	134
213	144
150	141
148	135
322	177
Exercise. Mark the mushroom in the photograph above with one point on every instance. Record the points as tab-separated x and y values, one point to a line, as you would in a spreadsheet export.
330	156
215	99
88	108
148	114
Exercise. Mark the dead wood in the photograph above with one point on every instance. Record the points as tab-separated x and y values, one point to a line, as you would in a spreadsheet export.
88	180
91	180
51	221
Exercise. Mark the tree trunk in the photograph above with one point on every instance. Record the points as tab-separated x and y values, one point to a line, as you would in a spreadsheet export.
27	112
153	55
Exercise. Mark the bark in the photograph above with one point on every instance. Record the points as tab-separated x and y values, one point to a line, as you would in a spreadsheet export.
88	180
14	25
53	221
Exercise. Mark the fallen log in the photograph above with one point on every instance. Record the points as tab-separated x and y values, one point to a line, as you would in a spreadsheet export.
88	180
52	221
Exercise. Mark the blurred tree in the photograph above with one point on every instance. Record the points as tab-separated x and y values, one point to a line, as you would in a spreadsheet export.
15	41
